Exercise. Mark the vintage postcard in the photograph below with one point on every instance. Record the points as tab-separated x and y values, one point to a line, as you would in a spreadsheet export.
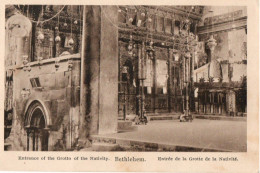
167	86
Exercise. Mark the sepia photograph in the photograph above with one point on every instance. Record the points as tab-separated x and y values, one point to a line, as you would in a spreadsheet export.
125	78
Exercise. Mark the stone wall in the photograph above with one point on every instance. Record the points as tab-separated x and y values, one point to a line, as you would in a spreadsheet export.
58	93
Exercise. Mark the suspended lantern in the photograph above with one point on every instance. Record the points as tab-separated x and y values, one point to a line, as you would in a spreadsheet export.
57	65
56	27
70	65
131	20
71	42
75	22
150	50
119	10
130	53
25	93
130	47
150	53
29	67
149	19
51	39
57	39
40	36
150	45
142	14
25	61
39	61
65	24
25	67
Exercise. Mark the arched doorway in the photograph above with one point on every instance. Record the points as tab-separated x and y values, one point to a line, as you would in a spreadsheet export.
37	133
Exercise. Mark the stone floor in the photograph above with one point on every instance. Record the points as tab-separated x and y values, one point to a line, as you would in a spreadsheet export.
210	134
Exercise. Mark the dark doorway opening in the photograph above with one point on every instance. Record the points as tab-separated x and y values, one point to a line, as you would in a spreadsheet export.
37	133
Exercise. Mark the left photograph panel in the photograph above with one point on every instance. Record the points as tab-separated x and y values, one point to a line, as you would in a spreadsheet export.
42	60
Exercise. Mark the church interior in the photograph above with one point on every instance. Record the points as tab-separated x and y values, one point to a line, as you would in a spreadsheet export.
73	71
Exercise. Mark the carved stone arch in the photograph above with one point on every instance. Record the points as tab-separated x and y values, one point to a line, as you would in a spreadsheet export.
36	125
31	105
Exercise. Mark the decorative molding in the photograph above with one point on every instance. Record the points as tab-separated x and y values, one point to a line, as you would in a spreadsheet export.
225	26
179	11
227	17
218	85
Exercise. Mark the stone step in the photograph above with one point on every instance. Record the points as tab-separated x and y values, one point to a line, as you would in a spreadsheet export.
126	126
101	143
215	117
164	117
100	146
209	117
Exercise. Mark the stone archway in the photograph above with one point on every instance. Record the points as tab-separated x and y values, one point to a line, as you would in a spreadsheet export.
37	133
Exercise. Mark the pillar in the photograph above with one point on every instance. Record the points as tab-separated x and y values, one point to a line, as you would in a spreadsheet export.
154	82
108	94
231	102
169	80
99	71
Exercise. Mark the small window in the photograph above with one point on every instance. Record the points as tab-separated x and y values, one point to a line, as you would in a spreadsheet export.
35	82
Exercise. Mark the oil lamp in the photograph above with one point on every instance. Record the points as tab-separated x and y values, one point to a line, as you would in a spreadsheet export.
40	36
71	41
57	38
131	20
